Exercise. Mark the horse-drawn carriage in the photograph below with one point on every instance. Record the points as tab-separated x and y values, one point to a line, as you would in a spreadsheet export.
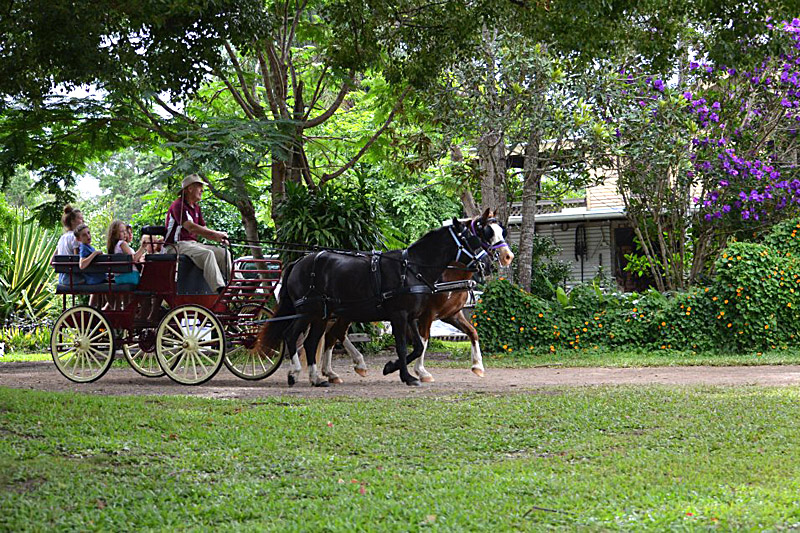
198	332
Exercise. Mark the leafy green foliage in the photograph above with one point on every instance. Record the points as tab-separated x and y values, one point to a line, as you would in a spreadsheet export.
332	218
547	272
752	304
7	221
25	340
760	292
26	284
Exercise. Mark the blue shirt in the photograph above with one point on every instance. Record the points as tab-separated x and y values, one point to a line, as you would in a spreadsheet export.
90	279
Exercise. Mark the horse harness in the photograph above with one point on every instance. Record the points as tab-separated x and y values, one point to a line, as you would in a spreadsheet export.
468	246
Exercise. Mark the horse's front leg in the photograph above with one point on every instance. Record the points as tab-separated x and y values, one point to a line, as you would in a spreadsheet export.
459	321
327	355
419	332
423	331
358	358
399	329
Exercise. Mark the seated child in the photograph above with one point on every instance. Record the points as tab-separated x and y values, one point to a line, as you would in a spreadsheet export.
87	254
67	245
117	243
151	245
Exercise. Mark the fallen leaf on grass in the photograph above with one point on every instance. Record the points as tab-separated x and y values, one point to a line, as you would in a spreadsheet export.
100	503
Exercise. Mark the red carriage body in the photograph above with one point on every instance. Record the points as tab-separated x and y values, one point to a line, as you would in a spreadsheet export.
189	340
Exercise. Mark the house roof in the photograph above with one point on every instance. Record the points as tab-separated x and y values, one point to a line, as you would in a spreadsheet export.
574	214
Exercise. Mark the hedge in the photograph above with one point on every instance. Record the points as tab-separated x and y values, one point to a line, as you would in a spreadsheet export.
751	305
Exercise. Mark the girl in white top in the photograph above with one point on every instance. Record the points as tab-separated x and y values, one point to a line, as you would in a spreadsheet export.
67	245
117	244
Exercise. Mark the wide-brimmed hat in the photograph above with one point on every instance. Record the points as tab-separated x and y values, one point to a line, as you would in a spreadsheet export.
191	178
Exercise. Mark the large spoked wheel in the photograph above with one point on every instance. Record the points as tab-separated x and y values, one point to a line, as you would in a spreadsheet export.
82	344
190	344
145	363
246	360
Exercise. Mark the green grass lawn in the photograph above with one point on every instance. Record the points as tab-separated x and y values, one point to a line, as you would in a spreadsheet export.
648	458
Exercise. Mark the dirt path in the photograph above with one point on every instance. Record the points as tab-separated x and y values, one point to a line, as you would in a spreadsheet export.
124	381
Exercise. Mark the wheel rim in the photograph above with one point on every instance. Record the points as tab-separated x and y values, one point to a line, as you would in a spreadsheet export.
246	360
82	344
190	345
145	363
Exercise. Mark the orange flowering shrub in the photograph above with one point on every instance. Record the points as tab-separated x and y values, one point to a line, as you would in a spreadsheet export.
753	303
758	287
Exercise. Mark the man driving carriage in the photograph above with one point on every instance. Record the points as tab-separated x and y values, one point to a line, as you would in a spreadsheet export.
185	223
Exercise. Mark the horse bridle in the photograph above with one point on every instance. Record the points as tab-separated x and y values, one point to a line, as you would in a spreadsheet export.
479	232
471	247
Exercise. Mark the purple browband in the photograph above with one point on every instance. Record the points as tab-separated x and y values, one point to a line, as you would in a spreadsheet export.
494	247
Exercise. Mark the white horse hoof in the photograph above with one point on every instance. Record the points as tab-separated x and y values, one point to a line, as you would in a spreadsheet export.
361	372
427	379
478	372
336	381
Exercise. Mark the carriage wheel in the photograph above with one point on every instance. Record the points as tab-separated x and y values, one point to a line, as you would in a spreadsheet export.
142	355
246	360
82	344
190	344
145	363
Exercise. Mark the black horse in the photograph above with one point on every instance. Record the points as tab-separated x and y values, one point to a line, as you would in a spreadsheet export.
394	286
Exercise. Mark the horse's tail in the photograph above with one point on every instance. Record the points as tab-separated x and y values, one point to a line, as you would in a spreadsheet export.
271	335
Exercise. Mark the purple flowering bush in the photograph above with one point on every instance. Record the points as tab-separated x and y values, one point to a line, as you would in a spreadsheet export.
709	156
745	152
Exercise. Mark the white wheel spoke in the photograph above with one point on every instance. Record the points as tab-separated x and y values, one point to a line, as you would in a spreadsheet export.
195	361
202	324
178	336
211	361
90	354
95	328
170	360
100	336
209	342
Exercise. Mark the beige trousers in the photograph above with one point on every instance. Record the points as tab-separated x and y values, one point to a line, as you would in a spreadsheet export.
212	260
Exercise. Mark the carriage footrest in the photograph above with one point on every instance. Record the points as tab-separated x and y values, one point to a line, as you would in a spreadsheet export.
96	288
462	285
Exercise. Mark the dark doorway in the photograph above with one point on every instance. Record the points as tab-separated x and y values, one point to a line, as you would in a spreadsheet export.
625	244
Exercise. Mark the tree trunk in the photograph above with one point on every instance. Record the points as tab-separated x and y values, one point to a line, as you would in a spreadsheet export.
280	172
471	210
492	158
248	212
530	193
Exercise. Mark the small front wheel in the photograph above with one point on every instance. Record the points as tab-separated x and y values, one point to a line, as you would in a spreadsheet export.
246	359
82	344
145	363
190	344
